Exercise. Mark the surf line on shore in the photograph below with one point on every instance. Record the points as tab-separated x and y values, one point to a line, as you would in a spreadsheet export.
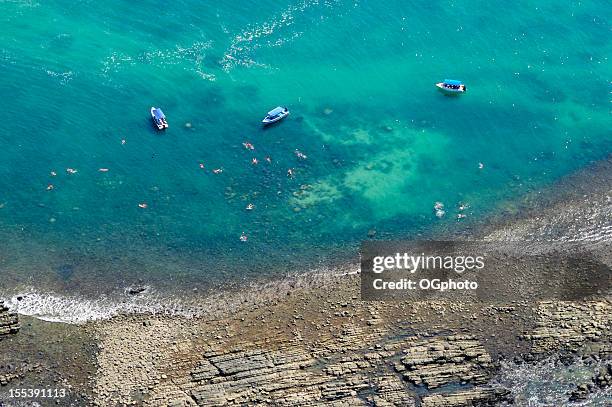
77	309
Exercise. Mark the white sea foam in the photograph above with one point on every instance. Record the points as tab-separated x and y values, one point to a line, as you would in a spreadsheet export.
76	309
549	382
67	308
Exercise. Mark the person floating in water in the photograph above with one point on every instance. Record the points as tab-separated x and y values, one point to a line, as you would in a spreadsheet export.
248	145
143	205
243	237
480	166
300	155
268	159
71	171
202	165
103	169
123	142
53	173
254	161
50	187
250	207
290	173
217	171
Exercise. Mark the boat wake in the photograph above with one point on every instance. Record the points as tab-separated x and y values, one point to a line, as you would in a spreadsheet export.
192	56
272	33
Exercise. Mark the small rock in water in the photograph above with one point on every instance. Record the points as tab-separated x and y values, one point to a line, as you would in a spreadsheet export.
371	233
136	290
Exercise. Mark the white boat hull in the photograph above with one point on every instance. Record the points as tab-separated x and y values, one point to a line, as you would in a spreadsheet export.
449	90
275	119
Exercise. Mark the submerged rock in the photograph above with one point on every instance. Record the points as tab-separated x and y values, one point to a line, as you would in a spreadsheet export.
136	290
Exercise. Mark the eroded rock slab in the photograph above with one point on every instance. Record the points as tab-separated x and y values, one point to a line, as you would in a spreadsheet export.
569	325
478	396
9	321
444	360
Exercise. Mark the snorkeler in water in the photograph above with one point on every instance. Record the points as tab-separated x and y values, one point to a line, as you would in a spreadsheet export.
300	155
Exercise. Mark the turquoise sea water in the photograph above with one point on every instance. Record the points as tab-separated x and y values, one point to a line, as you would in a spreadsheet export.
77	78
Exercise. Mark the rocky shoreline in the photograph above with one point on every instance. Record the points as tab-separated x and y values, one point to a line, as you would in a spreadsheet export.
319	344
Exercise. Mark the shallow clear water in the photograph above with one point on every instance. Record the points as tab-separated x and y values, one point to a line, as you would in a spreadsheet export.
382	144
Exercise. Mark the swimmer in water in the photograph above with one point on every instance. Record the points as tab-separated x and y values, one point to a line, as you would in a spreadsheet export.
248	145
290	173
300	155
268	159
123	142
103	169
202	165
143	205
254	161
50	187
480	166
217	171
243	237
250	207
71	171
53	173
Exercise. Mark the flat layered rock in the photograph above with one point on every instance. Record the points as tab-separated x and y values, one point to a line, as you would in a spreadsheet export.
443	360
9	321
478	396
570	325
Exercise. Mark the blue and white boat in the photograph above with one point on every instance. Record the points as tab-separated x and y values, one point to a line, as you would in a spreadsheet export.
159	118
275	115
452	86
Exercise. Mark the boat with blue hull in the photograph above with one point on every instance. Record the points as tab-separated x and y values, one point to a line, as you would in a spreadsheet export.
159	118
452	86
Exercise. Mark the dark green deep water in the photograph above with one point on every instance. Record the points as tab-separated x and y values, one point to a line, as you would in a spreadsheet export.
77	78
